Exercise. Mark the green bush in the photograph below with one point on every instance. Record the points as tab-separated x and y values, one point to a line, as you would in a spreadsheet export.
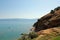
29	36
33	35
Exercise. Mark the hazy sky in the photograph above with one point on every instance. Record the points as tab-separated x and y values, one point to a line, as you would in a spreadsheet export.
26	8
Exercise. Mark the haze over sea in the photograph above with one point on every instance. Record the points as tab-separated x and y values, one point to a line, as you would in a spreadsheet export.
10	29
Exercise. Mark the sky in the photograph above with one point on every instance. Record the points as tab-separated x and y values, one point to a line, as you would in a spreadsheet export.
28	9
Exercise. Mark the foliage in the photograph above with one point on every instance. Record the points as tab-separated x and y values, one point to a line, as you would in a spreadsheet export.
56	38
33	35
29	36
57	8
52	11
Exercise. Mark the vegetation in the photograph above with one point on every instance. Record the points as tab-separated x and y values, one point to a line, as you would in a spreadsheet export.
52	11
30	36
56	38
57	8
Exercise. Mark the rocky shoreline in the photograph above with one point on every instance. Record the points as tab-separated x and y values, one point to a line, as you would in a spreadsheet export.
46	28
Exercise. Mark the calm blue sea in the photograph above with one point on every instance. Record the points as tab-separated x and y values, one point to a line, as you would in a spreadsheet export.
10	29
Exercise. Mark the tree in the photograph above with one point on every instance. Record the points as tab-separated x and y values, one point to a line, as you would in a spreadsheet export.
57	8
52	12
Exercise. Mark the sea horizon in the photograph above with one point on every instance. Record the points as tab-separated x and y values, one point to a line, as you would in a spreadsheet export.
10	29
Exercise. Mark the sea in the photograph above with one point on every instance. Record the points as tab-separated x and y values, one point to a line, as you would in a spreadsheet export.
11	29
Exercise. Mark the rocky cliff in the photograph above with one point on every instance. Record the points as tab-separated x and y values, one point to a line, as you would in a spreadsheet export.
46	27
51	20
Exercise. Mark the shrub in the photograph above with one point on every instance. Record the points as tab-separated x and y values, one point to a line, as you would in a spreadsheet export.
52	12
57	8
33	35
29	36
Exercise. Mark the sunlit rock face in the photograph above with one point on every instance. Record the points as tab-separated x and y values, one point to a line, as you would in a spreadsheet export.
50	20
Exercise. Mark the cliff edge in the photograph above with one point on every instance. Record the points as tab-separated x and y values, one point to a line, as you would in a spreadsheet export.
46	27
50	20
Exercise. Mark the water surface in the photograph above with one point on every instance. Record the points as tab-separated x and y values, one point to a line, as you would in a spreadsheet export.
10	29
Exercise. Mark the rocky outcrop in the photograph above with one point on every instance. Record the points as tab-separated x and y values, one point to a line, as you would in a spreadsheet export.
50	20
48	34
46	28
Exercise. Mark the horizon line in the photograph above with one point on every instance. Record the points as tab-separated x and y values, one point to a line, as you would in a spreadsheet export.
19	18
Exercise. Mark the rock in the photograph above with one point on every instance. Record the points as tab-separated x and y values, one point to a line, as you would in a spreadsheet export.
50	20
48	34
